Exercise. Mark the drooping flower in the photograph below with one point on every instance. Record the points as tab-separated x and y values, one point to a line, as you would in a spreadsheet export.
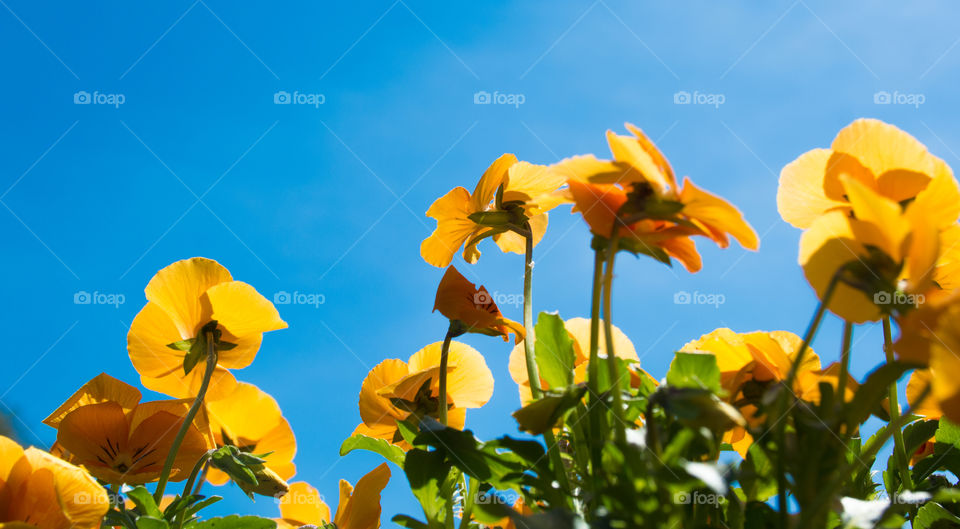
750	363
118	439
878	155
638	192
930	336
510	194
885	256
359	507
579	331
459	300
250	419
395	390
38	490
183	301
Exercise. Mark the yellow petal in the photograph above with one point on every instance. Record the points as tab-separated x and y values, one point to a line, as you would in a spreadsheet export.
729	348
633	150
282	445
177	385
587	168
470	385
528	182
940	199
947	274
303	505
884	148
453	227
809	186
82	500
885	214
718	215
150	333
915	386
513	242
102	388
374	409
10	452
177	289
825	247
486	188
247	412
242	310
359	507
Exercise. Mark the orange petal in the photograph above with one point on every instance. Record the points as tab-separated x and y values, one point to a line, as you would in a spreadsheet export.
915	386
101	388
599	204
94	434
374	409
359	507
513	242
718	215
453	227
640	153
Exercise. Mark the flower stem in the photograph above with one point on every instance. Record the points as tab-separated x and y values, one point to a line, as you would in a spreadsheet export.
444	358
845	362
901	453
613	368
593	371
188	488
781	428
188	419
533	374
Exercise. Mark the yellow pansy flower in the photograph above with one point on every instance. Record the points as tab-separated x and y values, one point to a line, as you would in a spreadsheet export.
395	390
750	362
182	299
250	419
579	331
930	336
118	439
40	491
638	191
459	300
509	194
879	249
928	409
359	507
878	155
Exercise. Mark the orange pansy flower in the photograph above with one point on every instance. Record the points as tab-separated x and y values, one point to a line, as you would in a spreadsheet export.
40	491
638	192
118	439
396	390
359	507
459	300
182	299
526	197
250	419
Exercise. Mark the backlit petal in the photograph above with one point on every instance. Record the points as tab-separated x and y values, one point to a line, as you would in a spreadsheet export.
718	215
303	505
486	188
102	388
470	385
359	507
883	148
242	310
177	289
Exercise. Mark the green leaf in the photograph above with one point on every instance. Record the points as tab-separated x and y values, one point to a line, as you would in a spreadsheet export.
196	353
143	500
149	522
873	390
181	345
554	350
391	453
948	433
758	475
692	370
934	515
235	522
408	521
543	414
426	473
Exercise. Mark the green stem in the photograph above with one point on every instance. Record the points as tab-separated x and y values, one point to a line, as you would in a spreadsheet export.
444	358
901	452
468	501
188	419
533	374
845	362
593	373
612	367
188	488
781	428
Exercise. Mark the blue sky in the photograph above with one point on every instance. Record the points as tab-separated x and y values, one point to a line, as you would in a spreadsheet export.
182	151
